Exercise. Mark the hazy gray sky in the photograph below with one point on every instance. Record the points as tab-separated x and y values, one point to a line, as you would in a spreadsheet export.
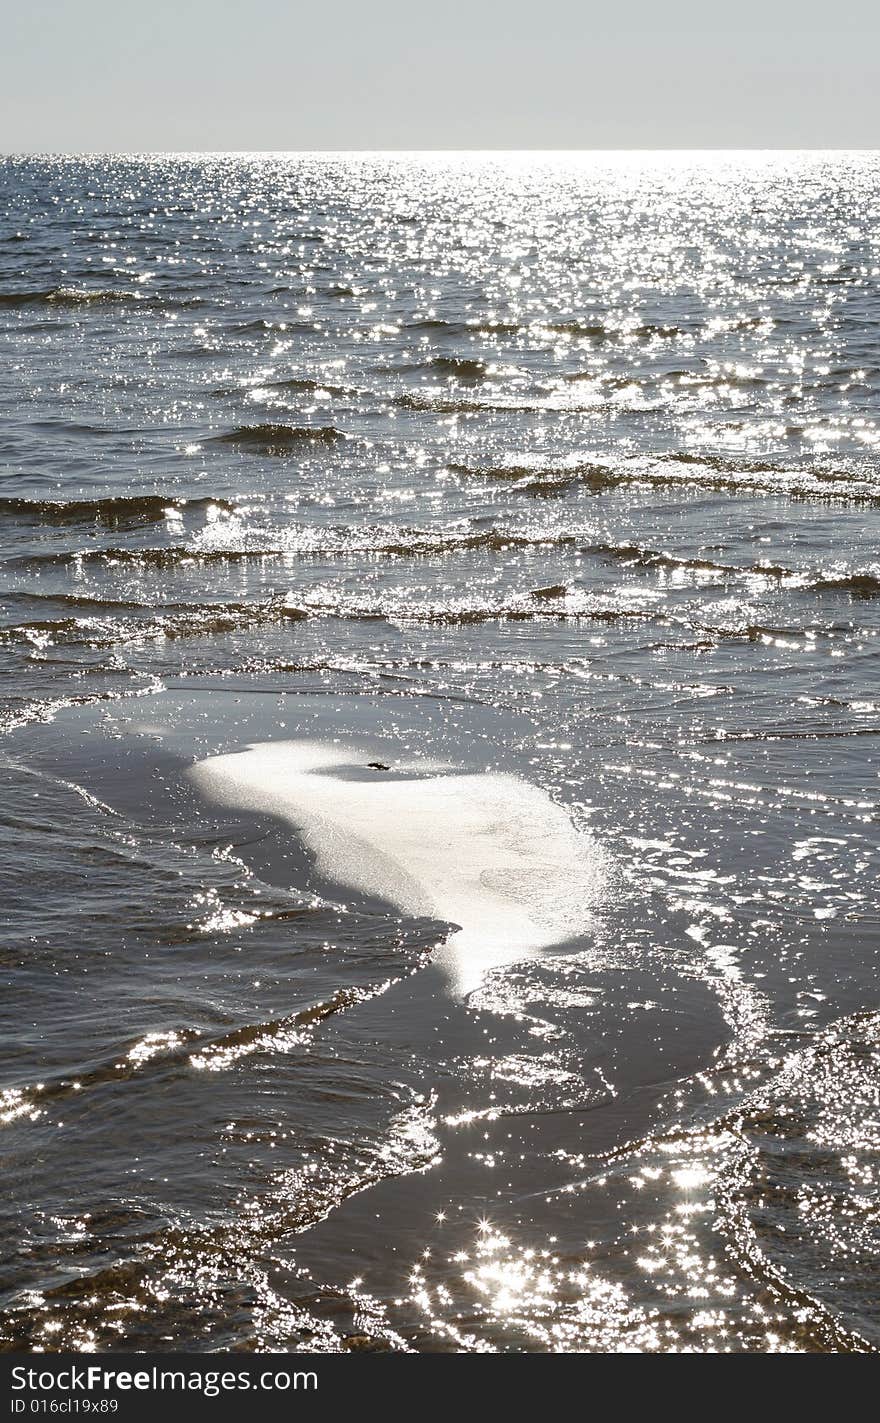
282	74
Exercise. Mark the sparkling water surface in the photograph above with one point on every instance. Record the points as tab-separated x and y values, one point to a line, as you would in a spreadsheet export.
553	465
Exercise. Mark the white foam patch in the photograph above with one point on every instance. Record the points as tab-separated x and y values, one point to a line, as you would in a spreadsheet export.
489	853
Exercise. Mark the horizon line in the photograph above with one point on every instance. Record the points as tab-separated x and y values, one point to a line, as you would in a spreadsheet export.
420	152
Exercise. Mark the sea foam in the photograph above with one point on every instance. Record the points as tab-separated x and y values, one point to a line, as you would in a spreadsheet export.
486	852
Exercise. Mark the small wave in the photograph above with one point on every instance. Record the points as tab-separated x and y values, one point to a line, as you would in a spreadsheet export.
634	556
638	557
490	326
308	385
440	404
438	401
231	539
82	602
84	296
800	1195
696	471
103	625
536	478
300	385
559	602
465	369
602	331
282	1034
573	391
681	377
179	1049
279	439
562	399
761	477
513	607
165	556
861	585
120	511
261	326
100	627
596	330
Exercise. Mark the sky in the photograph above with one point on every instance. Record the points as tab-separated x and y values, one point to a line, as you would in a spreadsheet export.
184	75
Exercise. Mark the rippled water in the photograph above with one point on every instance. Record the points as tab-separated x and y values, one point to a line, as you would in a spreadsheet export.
563	468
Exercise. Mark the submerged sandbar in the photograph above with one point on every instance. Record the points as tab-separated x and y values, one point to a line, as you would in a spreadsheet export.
487	852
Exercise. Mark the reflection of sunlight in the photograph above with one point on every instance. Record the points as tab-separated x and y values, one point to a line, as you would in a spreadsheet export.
660	1287
689	1177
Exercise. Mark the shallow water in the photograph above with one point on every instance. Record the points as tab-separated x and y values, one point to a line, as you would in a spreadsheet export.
556	469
